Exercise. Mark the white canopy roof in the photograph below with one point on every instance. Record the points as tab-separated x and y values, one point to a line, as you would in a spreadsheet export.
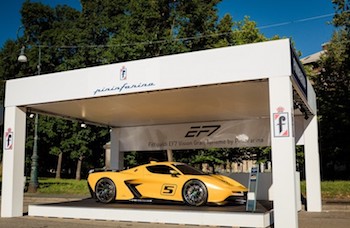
169	89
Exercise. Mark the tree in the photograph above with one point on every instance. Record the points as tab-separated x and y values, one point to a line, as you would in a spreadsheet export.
332	87
80	149
55	132
197	19
247	32
225	32
55	30
145	33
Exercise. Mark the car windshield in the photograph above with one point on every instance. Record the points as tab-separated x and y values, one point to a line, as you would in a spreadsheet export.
188	170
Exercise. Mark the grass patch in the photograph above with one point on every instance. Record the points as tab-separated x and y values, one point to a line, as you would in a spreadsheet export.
335	189
329	189
332	189
63	186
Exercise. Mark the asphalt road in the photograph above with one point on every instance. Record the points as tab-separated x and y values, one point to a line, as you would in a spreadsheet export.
335	215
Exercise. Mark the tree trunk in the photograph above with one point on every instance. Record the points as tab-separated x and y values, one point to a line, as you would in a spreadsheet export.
59	166
78	172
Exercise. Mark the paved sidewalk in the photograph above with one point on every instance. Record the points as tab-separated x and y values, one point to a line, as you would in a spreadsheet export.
336	214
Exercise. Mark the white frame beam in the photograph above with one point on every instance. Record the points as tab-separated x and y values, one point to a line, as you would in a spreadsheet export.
312	166
283	154
116	156
13	162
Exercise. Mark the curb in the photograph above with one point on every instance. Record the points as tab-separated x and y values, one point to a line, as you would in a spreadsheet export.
336	205
45	198
42	195
327	205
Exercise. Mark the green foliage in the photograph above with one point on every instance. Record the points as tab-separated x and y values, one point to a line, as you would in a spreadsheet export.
247	32
130	159
331	189
119	30
49	28
224	29
335	189
341	18
219	156
63	186
135	158
57	135
210	156
332	87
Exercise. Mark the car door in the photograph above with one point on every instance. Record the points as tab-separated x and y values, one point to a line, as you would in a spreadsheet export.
160	182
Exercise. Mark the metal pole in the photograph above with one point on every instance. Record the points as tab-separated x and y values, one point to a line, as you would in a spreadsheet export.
34	183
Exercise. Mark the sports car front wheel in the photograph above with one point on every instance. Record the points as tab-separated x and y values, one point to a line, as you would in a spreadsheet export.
195	193
105	190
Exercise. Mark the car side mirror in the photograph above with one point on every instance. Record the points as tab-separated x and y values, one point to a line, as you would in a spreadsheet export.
174	173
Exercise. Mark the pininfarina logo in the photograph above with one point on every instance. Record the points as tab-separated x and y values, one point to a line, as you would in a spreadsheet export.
281	124
122	87
125	87
123	73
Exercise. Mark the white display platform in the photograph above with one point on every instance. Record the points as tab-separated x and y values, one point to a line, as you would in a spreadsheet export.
192	217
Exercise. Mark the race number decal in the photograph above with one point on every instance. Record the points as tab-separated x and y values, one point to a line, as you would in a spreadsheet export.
168	189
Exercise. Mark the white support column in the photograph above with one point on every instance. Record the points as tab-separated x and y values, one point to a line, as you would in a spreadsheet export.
107	148
283	152
169	153
116	156
312	166
13	162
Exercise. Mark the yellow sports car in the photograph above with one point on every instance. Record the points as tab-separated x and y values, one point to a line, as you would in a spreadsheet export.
171	181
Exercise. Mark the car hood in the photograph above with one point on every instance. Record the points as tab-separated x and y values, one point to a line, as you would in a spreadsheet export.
224	181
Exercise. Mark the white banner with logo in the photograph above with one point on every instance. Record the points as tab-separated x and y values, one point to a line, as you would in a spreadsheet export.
222	134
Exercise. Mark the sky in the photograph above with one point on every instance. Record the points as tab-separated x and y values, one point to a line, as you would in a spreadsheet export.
306	22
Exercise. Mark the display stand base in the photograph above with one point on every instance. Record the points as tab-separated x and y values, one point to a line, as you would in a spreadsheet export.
233	215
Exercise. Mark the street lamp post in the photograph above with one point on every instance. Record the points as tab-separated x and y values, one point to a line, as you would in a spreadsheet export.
34	183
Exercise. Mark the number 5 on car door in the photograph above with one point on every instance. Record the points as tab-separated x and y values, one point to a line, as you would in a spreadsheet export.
168	189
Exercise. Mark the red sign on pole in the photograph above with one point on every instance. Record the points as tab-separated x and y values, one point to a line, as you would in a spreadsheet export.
281	124
9	139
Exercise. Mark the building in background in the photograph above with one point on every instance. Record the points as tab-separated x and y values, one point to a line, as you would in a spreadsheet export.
313	61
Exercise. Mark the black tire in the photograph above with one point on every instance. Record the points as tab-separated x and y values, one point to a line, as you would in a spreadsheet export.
105	190
195	193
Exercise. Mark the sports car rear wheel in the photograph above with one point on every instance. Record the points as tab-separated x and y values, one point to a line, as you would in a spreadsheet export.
195	193
105	190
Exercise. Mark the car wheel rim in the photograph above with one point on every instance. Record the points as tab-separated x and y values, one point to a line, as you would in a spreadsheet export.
105	190
195	193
